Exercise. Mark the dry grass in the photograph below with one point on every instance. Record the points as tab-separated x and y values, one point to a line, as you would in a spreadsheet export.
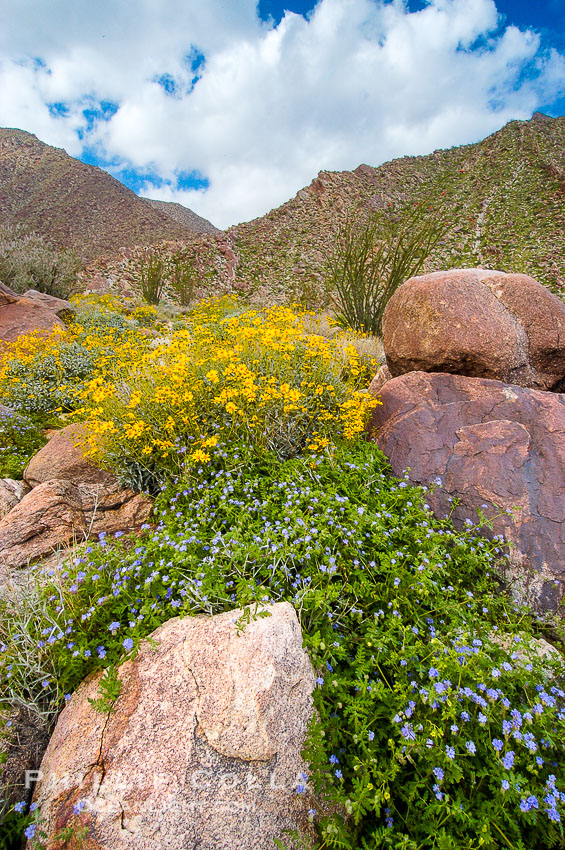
369	348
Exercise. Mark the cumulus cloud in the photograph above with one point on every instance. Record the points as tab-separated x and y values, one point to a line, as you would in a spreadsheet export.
176	87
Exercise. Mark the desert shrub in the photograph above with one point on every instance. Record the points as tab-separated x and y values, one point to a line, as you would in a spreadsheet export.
150	275
373	259
27	261
183	278
145	315
20	438
439	724
252	375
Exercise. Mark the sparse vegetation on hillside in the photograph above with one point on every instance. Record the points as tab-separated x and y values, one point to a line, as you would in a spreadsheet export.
502	197
72	204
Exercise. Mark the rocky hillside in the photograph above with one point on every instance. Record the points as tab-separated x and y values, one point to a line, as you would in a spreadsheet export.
504	198
183	216
76	205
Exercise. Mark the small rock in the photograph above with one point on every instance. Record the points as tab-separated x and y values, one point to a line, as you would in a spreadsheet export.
25	316
63	309
11	492
59	512
63	457
383	375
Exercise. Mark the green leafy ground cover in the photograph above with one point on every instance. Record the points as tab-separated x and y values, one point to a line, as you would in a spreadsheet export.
20	438
439	724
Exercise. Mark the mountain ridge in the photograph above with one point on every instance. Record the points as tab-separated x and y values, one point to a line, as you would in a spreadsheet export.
505	196
75	205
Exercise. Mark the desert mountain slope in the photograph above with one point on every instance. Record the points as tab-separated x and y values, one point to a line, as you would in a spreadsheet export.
76	205
183	215
504	198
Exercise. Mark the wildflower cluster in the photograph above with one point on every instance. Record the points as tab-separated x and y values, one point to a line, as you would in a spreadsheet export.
19	440
43	376
439	724
253	375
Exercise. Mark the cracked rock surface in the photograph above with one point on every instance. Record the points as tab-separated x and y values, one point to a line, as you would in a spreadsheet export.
479	323
203	747
490	444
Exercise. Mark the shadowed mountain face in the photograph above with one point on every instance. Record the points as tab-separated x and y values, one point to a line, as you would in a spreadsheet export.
76	205
504	198
184	216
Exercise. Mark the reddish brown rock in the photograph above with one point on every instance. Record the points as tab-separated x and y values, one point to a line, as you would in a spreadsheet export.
63	309
383	375
63	457
11	492
490	444
24	316
203	748
478	323
58	512
7	296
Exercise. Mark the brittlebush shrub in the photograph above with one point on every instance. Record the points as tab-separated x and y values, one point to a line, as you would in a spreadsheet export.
43	376
256	376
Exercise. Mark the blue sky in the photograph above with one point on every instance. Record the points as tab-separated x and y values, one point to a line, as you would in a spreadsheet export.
230	107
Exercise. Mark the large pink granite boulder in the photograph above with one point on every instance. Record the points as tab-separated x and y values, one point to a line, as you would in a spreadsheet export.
479	323
203	748
491	445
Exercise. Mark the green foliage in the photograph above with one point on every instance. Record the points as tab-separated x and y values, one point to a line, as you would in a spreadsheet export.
20	438
183	278
151	275
373	259
110	689
423	664
27	261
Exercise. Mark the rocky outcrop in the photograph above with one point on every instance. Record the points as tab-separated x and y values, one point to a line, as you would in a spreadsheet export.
11	492
63	458
203	748
60	512
495	447
383	375
477	323
20	314
63	309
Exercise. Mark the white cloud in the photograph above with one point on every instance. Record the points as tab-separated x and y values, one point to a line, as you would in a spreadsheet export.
359	81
